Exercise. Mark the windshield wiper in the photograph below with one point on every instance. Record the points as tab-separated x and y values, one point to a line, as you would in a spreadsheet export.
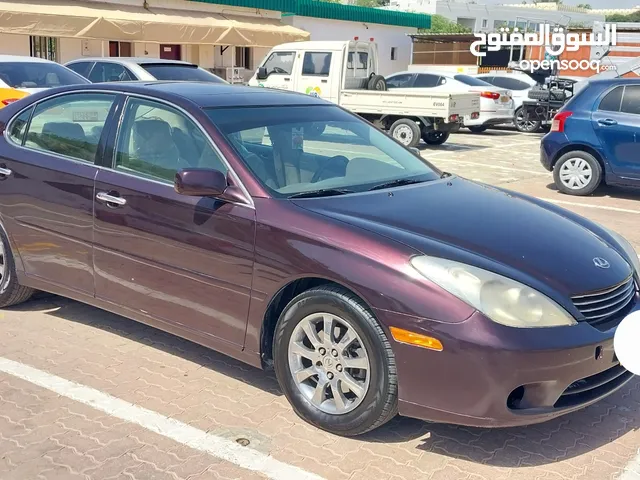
396	183
325	192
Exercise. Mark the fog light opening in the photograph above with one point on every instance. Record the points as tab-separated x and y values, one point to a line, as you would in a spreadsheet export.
514	398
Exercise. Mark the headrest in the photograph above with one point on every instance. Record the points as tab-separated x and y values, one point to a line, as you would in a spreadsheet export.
68	130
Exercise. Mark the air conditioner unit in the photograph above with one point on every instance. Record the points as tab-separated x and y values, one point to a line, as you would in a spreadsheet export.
230	74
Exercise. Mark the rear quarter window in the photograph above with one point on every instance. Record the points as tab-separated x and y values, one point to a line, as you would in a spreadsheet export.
611	101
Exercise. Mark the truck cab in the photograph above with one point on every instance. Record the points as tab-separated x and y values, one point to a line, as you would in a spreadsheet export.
321	69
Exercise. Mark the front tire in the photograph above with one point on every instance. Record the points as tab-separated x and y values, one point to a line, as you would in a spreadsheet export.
11	292
577	173
334	362
406	131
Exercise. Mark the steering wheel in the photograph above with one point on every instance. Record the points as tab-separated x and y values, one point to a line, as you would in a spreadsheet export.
318	175
279	70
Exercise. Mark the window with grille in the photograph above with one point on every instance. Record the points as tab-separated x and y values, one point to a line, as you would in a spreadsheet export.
43	47
243	57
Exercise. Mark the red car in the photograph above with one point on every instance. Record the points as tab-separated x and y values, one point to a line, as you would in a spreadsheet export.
371	281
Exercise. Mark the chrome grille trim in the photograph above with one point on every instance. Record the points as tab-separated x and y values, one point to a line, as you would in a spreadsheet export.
597	307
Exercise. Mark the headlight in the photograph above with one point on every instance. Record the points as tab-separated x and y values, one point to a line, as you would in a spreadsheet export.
628	249
503	300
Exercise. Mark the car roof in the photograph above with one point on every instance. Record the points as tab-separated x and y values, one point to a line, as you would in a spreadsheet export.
205	94
614	81
23	58
126	60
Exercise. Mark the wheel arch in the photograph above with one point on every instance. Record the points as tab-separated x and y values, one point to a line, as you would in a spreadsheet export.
581	148
282	298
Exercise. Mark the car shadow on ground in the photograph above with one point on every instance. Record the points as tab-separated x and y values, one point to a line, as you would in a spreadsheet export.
566	437
622	193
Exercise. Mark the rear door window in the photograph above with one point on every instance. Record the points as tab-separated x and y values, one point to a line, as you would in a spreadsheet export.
316	64
181	73
612	100
109	72
81	68
427	80
631	100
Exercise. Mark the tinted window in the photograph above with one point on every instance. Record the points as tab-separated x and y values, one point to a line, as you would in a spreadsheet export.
156	141
631	99
316	63
70	125
19	126
81	68
508	83
38	75
611	101
109	72
280	62
471	81
281	147
425	80
400	81
182	73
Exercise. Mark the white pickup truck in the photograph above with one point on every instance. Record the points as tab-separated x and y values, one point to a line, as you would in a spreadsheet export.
345	73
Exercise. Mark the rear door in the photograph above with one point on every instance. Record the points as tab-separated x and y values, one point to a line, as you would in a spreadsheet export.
47	198
400	80
318	76
615	122
178	260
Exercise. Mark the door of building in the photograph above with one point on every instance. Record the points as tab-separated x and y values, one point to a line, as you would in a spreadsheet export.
170	52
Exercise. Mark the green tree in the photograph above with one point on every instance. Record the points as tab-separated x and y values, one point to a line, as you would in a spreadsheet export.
440	24
618	17
586	6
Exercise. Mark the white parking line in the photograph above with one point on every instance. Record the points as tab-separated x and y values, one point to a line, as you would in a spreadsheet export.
219	447
600	207
632	469
484	165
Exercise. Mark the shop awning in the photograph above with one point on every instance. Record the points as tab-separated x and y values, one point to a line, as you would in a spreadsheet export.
136	24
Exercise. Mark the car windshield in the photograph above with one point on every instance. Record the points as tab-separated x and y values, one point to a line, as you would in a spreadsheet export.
304	150
38	75
187	73
472	81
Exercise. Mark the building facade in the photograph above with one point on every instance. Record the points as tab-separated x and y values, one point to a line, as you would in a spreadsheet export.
211	33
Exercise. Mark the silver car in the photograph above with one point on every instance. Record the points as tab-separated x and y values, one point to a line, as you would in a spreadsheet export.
122	69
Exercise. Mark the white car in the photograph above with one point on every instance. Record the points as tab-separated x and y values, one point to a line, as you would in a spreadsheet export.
496	104
121	69
31	75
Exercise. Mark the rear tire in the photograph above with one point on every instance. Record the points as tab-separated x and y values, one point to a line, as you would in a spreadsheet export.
478	129
577	173
11	292
406	131
435	137
314	378
525	126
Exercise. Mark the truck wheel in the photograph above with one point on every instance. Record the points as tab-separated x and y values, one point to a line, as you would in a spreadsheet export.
377	82
577	173
406	131
478	129
525	125
435	137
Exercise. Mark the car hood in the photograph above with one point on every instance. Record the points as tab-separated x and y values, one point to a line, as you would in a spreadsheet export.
487	227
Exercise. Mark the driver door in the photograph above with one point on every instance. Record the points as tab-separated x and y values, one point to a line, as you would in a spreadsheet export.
280	67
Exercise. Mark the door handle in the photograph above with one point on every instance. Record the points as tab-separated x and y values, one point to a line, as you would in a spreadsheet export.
110	200
323	81
5	172
287	79
607	121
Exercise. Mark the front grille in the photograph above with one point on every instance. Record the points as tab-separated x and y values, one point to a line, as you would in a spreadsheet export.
601	306
595	386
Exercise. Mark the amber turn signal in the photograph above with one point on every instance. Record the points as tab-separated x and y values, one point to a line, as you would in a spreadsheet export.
410	338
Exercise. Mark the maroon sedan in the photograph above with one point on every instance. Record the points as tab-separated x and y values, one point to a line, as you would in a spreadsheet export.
371	281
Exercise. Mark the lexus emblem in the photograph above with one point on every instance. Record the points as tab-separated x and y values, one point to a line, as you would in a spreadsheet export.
600	262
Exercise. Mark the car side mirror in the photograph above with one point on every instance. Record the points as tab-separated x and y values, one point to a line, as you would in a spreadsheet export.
200	182
262	73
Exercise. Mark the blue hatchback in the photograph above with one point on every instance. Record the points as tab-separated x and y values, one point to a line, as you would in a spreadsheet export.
593	138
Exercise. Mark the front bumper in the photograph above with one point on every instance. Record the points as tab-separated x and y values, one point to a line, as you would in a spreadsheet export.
489	375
